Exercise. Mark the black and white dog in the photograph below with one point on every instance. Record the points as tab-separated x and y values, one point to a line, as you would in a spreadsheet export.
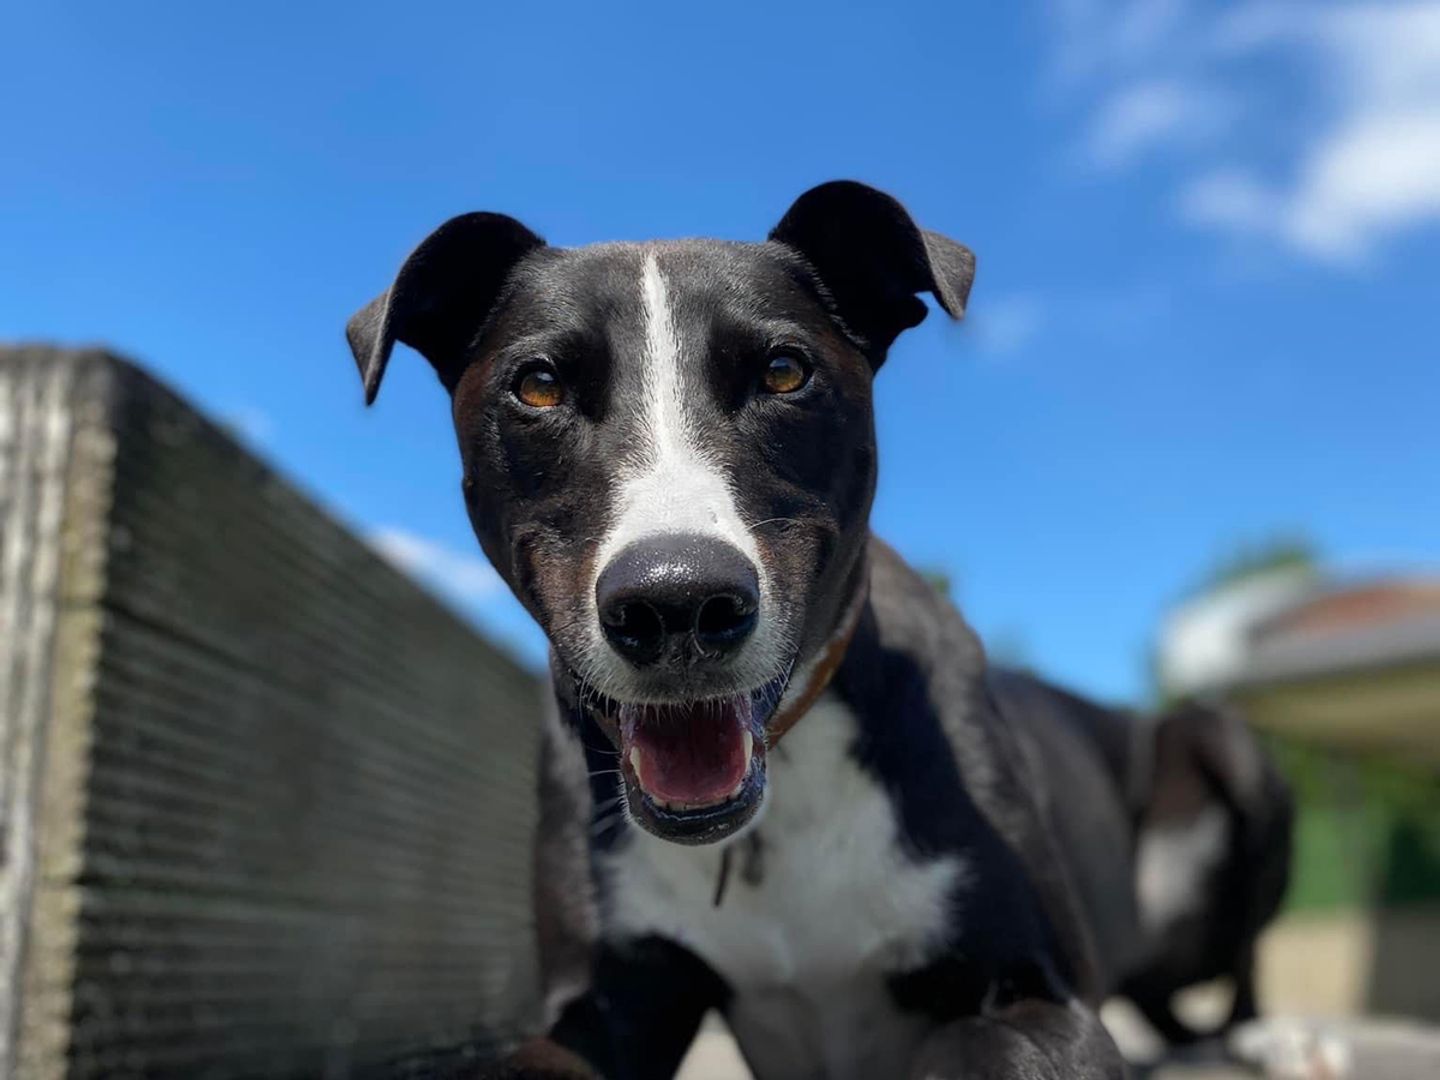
781	780
1213	843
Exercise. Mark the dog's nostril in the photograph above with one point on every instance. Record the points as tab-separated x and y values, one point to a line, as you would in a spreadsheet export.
723	622
635	628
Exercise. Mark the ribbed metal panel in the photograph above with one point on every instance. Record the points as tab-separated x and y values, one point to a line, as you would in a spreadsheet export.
305	789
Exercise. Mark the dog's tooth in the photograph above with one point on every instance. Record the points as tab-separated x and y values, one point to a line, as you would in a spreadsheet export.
748	741
635	762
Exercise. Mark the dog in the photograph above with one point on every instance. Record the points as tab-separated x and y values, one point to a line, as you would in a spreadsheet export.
780	779
1212	864
1208	819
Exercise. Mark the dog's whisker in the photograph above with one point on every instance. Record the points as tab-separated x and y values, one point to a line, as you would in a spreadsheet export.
608	804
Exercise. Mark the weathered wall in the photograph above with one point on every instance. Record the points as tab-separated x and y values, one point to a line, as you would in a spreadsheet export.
267	805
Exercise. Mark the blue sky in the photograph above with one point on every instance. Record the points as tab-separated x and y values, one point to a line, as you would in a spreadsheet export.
1209	241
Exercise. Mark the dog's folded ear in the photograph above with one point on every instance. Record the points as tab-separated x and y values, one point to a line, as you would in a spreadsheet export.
873	260
441	297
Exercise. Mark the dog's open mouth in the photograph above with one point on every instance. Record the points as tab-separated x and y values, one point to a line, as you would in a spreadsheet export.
688	757
694	771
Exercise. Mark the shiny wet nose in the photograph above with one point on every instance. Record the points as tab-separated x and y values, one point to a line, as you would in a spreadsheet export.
678	598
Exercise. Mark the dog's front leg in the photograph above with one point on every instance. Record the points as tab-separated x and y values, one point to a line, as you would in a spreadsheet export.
1028	1040
635	1021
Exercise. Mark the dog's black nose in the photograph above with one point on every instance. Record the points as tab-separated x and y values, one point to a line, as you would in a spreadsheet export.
678	597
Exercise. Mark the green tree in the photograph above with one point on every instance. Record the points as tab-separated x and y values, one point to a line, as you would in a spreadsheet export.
1241	561
1248	560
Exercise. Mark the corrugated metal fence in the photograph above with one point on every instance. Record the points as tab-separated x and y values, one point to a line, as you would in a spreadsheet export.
267	806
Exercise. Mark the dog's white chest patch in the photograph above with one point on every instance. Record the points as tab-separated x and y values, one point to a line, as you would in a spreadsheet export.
1172	864
807	942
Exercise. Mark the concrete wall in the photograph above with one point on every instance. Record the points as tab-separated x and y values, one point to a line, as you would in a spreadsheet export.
267	806
1350	963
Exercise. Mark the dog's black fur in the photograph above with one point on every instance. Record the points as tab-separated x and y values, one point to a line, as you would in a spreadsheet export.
1007	811
1206	760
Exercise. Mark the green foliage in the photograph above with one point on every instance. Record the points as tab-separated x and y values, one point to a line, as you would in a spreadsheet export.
939	579
1247	560
1367	831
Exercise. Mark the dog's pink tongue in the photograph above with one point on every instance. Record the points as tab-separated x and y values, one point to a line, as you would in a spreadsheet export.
689	756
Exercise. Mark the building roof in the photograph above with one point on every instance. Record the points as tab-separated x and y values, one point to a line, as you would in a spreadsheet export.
1372	624
1205	643
1354	663
1289	625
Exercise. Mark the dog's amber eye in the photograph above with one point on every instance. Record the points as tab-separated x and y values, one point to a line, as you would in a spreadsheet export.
784	374
539	387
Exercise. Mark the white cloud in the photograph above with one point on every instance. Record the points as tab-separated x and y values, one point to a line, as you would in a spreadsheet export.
1373	168
1228	197
465	576
1131	67
1374	176
1353	159
252	425
1149	114
1144	25
1103	37
1006	324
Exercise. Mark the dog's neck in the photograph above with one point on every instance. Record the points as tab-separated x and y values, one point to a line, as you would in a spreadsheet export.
827	662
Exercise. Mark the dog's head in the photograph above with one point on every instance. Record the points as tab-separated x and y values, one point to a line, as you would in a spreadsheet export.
669	455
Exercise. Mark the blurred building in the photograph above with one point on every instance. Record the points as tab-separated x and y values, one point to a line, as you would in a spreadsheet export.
1343	679
1354	665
